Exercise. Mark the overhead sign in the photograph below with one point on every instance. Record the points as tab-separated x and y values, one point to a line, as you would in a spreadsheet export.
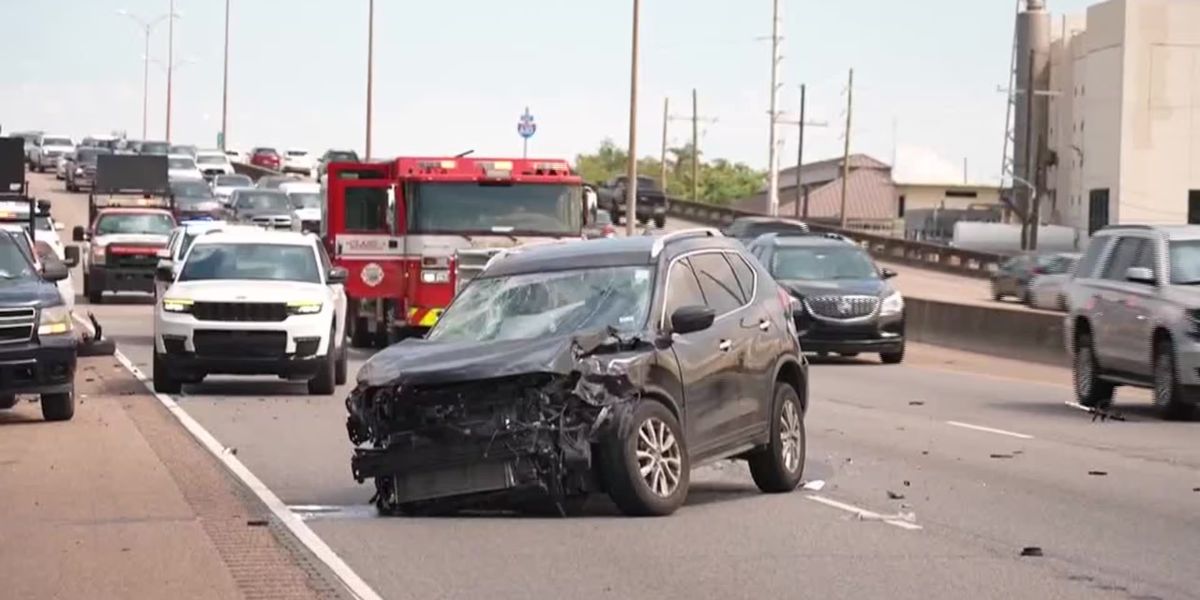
526	126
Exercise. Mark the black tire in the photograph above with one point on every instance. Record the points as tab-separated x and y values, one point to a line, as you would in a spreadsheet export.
621	469
323	383
1090	389
660	222
341	369
360	337
164	383
892	358
779	466
58	407
1027	297
1170	398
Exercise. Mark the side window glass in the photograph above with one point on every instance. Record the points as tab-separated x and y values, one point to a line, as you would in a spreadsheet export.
326	264
717	281
1086	267
682	288
1123	257
744	274
1146	258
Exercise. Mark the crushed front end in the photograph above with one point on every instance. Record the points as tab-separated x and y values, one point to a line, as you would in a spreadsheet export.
485	443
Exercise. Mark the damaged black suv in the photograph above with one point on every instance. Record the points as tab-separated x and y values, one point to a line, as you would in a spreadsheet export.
613	365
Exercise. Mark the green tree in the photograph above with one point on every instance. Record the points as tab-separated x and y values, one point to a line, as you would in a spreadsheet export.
721	181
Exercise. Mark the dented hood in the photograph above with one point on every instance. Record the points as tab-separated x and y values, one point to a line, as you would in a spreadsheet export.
423	362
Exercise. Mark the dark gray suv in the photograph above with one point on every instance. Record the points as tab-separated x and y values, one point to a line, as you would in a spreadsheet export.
614	365
845	303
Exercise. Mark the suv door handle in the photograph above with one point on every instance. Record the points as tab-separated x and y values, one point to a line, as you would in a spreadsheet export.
725	345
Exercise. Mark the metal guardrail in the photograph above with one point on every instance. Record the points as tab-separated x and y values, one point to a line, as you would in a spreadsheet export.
252	171
957	261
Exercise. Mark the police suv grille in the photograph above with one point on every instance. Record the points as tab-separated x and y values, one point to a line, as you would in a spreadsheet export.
240	311
470	263
250	344
17	324
842	307
146	258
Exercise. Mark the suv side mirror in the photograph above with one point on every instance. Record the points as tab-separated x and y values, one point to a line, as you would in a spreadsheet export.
1140	275
79	234
690	319
337	276
71	256
55	271
164	272
888	273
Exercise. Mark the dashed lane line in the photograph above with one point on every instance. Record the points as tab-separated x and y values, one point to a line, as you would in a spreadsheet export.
1020	436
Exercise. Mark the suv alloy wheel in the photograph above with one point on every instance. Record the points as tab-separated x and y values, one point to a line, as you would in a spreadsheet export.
1090	390
1170	398
645	462
778	467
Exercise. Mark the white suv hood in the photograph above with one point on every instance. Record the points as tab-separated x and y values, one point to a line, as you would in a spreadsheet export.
249	291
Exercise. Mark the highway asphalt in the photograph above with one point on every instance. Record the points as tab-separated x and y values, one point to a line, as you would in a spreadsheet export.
938	475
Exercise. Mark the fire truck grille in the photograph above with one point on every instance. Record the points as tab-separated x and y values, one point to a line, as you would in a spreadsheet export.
470	263
240	311
16	324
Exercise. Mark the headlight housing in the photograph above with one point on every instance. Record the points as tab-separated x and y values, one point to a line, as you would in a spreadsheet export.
177	305
54	320
304	307
893	305
98	254
435	276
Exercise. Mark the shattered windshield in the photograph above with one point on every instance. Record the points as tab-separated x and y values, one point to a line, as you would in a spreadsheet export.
548	304
474	208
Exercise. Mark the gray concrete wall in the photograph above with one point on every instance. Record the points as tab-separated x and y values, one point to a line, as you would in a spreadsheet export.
1019	334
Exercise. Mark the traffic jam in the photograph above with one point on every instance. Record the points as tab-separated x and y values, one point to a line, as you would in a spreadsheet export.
523	354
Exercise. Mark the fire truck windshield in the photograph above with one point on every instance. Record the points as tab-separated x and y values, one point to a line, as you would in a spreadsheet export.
471	208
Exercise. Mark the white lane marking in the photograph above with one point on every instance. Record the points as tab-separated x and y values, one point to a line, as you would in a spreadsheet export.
1021	436
867	515
293	522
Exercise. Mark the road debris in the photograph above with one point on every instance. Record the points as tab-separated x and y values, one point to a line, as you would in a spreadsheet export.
256	522
894	496
1098	473
1031	551
1001	456
1097	413
815	485
916	403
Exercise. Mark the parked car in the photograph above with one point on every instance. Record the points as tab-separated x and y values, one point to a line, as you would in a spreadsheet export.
47	149
225	185
296	160
1015	274
268	208
1046	290
81	171
1134	314
155	148
748	229
625	361
844	301
267	158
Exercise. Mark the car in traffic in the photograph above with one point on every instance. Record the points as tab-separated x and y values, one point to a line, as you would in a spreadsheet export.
568	368
81	169
651	200
194	200
306	209
182	166
334	156
275	182
268	208
184	150
29	141
47	149
43	231
299	161
252	303
601	226
108	141
267	158
119	250
62	164
213	163
1134	316
225	185
180	241
845	303
748	229
37	338
1013	276
155	148
1046	290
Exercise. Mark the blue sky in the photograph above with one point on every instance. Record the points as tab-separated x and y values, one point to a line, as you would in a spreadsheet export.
451	76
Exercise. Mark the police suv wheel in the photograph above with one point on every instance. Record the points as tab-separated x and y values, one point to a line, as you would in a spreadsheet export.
58	407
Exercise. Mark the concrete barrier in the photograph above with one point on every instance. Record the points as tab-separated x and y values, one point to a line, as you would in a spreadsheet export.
252	171
1021	334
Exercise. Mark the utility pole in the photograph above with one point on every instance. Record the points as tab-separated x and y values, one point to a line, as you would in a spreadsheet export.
801	189
170	63
695	147
846	151
631	179
663	160
224	87
1030	230
773	163
370	71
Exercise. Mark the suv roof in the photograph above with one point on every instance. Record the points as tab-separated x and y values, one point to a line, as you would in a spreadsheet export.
1171	232
795	241
250	235
599	253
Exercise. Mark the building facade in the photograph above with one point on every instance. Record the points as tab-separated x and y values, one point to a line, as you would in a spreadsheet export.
1124	123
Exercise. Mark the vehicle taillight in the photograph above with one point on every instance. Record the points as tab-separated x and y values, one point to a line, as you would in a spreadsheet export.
609	231
785	300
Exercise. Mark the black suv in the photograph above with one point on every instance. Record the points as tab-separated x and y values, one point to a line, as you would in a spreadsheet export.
748	229
37	344
613	365
845	303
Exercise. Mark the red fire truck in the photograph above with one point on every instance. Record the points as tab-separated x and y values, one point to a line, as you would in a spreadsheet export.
414	231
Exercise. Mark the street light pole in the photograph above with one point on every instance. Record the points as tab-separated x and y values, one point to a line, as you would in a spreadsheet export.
772	161
631	184
370	70
170	62
147	28
225	86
